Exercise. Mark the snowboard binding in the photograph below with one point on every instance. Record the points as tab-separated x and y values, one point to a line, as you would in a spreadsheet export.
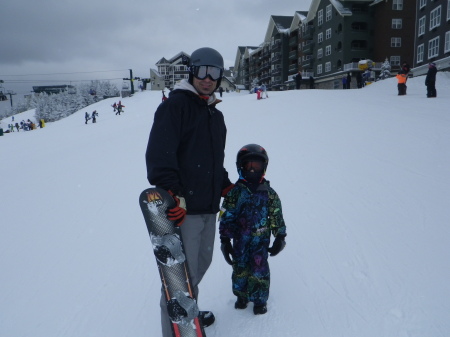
168	249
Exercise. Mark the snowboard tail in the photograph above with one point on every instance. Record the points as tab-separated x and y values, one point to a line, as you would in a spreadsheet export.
168	248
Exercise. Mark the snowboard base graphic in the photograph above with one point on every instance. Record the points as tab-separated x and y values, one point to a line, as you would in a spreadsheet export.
172	265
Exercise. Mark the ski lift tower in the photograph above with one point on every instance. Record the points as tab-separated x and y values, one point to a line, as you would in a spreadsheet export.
131	79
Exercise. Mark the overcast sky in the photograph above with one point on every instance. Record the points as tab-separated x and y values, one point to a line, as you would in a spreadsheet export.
58	41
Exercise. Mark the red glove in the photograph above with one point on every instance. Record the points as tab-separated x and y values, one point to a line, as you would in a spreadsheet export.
178	213
227	189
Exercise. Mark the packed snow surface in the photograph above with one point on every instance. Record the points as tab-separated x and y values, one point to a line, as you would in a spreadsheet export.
364	179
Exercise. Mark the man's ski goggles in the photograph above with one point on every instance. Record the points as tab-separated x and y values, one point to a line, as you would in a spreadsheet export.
202	72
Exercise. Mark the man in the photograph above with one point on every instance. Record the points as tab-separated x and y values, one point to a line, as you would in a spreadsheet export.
430	80
185	155
298	80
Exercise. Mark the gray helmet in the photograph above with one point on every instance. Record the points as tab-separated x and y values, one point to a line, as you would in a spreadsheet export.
205	57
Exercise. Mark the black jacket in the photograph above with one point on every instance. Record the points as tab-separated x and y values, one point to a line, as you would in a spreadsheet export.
431	76
186	150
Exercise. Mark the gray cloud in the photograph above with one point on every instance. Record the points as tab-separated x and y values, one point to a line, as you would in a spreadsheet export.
66	36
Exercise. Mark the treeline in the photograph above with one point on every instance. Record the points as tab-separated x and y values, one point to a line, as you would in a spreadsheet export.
54	107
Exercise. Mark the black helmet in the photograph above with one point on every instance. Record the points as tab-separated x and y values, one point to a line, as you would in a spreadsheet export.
205	57
251	151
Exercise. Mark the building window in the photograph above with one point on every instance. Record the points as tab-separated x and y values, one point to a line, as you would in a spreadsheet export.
319	69
435	17
396	42
328	34
448	10
328	67
420	53
395	61
396	23
320	17
397	5
422	21
328	50
447	42
319	37
433	47
422	3
320	53
328	13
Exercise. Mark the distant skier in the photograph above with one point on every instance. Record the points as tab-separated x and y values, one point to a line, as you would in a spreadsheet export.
119	108
86	117
114	106
430	80
94	116
250	213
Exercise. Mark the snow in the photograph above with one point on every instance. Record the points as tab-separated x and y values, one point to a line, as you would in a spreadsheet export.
364	178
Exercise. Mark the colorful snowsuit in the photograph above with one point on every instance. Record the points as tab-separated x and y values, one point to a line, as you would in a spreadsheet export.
249	219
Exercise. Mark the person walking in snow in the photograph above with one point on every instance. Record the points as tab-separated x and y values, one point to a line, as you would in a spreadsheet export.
298	80
344	82
86	117
94	116
258	93
119	108
17	126
114	106
185	155
264	90
430	80
250	213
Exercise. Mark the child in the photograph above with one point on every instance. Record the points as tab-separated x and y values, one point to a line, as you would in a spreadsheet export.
402	77
251	211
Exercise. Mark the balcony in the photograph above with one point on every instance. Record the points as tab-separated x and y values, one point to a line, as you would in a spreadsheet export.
293	68
308	63
293	41
276	45
276	71
276	57
308	48
308	33
293	54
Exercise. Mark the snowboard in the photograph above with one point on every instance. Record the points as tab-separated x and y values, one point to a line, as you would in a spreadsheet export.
172	265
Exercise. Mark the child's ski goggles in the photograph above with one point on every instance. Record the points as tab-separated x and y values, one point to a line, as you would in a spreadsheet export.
255	166
202	72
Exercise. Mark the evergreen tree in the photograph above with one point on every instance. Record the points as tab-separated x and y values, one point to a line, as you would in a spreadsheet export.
385	70
57	106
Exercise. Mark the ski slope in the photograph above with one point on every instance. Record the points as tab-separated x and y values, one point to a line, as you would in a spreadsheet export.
364	178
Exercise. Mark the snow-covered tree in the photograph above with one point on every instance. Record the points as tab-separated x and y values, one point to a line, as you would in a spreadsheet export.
385	70
57	106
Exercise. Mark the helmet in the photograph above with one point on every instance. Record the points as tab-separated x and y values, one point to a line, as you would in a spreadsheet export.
251	151
205	57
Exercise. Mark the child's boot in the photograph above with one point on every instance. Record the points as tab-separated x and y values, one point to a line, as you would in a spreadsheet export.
241	303
260	309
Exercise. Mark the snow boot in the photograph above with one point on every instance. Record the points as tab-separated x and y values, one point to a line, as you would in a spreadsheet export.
260	309
241	303
207	318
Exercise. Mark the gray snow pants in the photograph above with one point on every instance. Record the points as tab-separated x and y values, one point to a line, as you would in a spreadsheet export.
198	233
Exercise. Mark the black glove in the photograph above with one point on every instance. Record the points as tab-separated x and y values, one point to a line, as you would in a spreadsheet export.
278	245
227	249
